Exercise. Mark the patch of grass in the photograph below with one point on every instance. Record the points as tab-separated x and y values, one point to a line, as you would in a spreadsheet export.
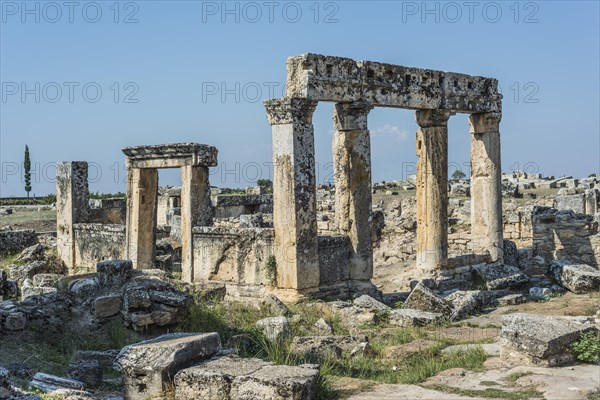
119	336
587	348
516	375
306	314
489	383
271	270
8	260
590	311
490	393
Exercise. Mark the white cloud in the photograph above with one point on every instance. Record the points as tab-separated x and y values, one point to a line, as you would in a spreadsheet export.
391	130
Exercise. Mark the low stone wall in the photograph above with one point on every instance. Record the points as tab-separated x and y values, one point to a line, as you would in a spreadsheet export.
95	243
232	255
565	235
15	241
108	211
234	206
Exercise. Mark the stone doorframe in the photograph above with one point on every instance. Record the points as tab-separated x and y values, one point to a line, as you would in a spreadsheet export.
142	164
356	87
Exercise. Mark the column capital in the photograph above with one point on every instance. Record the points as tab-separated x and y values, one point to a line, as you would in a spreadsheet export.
484	122
289	110
429	118
351	116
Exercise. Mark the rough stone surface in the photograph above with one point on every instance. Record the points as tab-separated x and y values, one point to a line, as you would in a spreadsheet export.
231	378
423	298
147	366
107	306
89	372
500	276
578	278
465	303
276	306
366	301
114	272
321	347
275	329
412	317
541	340
15	241
152	302
4	383
50	383
105	358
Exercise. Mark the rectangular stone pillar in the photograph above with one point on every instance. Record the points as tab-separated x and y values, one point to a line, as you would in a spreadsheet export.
486	189
432	190
142	192
352	175
196	210
72	206
294	192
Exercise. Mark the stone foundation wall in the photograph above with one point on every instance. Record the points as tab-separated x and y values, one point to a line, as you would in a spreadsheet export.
95	243
565	235
234	206
108	211
232	255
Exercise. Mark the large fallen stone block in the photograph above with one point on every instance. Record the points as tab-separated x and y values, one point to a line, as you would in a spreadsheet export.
319	348
233	378
89	372
541	340
148	365
500	276
465	303
4	383
47	383
578	278
412	317
423	298
107	306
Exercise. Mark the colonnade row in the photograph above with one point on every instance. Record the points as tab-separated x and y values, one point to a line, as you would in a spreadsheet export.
294	191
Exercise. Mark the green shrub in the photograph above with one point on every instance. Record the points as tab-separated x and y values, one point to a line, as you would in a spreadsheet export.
587	348
271	270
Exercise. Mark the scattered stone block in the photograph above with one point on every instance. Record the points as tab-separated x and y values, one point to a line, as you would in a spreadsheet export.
84	287
412	317
511	300
276	306
539	293
366	301
319	348
541	340
232	378
16	321
275	329
465	303
578	278
148	365
89	372
114	272
500	276
423	298
32	253
22	272
107	306
321	327
56	281
47	383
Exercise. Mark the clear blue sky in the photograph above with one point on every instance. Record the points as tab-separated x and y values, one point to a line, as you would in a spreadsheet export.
172	57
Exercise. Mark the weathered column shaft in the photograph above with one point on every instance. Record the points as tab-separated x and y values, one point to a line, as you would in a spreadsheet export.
486	190
294	192
196	210
72	206
352	174
432	190
142	191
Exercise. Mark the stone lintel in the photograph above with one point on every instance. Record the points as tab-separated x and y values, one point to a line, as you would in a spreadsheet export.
351	116
289	110
171	155
430	118
339	79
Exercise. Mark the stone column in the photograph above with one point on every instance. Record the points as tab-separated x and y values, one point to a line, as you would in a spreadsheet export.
486	189
142	193
294	192
352	174
432	190
72	206
196	210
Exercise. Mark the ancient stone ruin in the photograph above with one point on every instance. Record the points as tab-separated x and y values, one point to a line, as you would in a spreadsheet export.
208	293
